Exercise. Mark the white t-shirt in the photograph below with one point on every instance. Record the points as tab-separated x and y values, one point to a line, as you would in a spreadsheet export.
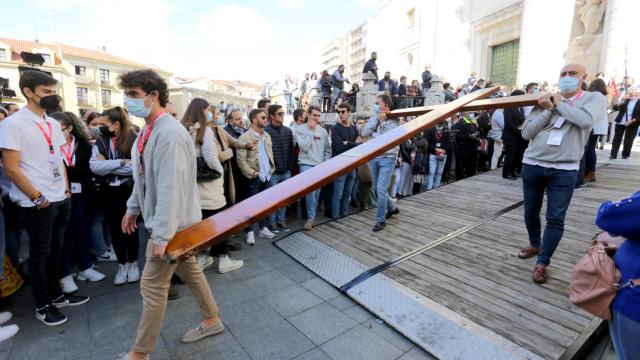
44	170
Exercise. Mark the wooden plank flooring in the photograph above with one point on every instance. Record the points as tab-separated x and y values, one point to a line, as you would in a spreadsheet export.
477	274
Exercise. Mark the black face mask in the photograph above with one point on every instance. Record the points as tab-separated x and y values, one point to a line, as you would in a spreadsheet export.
49	103
387	77
104	130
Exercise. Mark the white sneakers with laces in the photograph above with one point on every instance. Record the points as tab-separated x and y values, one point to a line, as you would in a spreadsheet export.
133	272
68	285
204	261
8	331
266	233
251	239
226	264
121	275
90	275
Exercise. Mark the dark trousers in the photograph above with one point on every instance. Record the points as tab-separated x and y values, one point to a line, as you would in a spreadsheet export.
466	162
126	246
629	133
46	229
590	152
76	244
222	248
12	229
514	152
255	186
559	185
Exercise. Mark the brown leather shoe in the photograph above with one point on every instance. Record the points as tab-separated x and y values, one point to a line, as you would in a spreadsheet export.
528	252
590	176
540	274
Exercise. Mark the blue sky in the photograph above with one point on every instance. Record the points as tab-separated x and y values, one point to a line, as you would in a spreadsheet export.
247	40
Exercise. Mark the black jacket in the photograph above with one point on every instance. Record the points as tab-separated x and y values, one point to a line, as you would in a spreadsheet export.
513	120
464	140
232	131
370	65
484	124
80	172
406	148
402	90
622	111
421	164
434	137
426	79
341	133
282	146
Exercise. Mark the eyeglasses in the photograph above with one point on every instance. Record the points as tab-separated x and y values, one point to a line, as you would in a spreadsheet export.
262	117
342	111
279	113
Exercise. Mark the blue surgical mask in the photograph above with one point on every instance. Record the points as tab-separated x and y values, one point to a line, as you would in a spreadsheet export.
209	116
568	84
136	107
376	109
220	120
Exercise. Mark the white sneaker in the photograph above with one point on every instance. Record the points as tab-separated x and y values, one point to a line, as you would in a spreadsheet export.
251	239
7	332
68	285
5	316
90	275
204	261
266	233
107	256
226	264
133	275
121	276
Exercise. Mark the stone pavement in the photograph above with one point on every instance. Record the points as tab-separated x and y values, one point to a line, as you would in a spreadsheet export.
273	308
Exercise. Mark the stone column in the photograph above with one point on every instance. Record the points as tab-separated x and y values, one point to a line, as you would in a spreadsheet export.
435	95
315	98
366	97
619	31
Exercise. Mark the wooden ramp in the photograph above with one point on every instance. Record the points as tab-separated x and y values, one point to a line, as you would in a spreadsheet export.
466	295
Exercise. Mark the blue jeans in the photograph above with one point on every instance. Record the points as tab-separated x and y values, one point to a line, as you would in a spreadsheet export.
312	198
342	188
337	93
624	335
436	167
278	216
559	185
381	171
256	186
100	233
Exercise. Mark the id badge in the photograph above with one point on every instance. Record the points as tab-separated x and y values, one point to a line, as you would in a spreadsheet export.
76	188
559	122
438	145
54	164
555	138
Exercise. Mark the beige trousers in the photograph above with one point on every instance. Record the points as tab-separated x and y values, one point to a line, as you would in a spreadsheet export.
154	287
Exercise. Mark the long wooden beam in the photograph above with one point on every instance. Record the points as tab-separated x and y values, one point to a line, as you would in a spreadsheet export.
483	104
212	230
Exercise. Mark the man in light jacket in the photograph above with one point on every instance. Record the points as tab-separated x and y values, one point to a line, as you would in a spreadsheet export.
165	192
557	131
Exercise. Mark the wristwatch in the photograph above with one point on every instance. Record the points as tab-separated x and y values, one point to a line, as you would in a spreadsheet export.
122	162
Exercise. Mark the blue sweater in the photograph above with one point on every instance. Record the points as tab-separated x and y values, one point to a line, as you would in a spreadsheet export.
621	218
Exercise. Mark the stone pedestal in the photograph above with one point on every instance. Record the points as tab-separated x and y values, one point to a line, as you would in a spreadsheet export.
366	97
435	95
585	50
315	98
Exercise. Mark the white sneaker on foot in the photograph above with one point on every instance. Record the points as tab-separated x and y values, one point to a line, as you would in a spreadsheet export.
107	256
204	261
266	233
251	239
7	332
90	275
5	316
226	264
121	276
68	285
133	273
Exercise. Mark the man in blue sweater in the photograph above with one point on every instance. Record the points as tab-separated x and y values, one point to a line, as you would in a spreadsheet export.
282	147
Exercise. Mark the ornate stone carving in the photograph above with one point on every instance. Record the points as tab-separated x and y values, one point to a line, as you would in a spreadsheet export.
591	14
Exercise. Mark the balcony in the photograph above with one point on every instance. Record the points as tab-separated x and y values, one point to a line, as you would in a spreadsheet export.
105	83
82	79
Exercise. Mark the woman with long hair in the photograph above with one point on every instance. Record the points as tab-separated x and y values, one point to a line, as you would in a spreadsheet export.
212	200
600	129
111	162
76	246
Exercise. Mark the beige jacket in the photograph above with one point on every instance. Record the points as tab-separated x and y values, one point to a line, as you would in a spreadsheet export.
248	160
211	192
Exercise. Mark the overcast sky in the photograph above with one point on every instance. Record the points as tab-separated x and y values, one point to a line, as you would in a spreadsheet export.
246	40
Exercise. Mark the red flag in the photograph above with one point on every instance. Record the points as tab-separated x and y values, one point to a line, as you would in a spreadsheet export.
615	87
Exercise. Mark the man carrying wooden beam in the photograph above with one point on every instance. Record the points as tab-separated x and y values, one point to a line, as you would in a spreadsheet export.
557	131
165	192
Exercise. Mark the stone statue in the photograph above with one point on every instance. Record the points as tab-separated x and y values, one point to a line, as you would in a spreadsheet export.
591	13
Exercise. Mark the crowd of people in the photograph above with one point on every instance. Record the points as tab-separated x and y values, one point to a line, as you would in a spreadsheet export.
94	189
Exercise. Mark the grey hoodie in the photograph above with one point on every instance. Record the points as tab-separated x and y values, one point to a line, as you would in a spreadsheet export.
314	145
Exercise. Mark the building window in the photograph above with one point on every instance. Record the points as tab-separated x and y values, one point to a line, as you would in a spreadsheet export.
83	95
3	54
105	96
104	76
411	17
81	70
47	58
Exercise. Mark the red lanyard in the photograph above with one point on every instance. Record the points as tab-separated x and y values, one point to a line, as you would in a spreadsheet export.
575	98
438	134
69	154
47	137
113	150
145	135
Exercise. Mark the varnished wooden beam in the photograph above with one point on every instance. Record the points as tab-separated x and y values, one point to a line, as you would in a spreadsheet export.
483	104
212	230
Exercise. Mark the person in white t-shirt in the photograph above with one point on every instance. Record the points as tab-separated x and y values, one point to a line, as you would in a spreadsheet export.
30	143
